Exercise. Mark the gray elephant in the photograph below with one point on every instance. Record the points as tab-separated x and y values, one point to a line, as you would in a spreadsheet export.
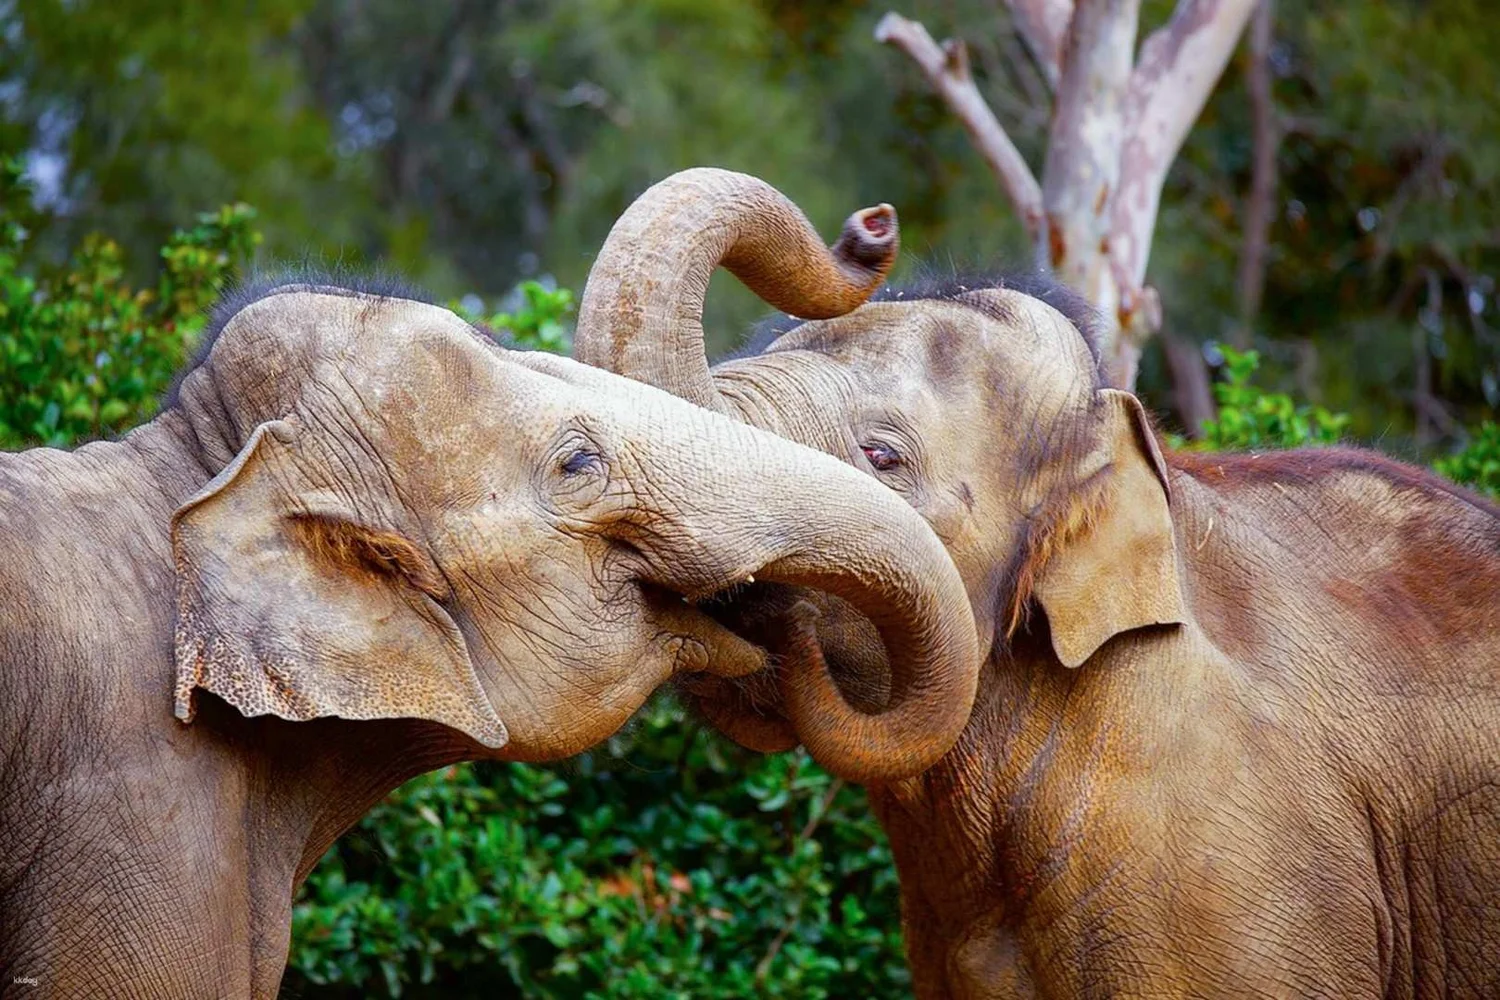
1238	728
362	541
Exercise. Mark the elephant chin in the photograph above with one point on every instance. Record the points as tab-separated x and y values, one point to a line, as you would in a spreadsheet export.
750	710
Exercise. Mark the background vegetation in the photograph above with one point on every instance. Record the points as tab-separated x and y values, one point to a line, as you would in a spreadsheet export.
475	143
484	148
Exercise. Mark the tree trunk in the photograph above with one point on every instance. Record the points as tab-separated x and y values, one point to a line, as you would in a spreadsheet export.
1260	204
1191	385
1117	125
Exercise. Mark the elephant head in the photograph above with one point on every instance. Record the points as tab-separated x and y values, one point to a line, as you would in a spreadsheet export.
408	521
984	408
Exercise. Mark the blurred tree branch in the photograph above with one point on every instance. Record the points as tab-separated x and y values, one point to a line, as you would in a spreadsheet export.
1043	24
1192	388
947	69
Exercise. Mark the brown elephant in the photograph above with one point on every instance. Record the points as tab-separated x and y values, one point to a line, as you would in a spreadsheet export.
381	544
1238	728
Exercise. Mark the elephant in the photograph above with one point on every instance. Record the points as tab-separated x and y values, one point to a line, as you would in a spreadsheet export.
361	541
1237	730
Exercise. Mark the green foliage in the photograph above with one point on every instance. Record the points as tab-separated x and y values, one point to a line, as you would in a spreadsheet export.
1381	267
1478	464
496	138
139	112
83	353
1252	417
537	317
664	864
468	143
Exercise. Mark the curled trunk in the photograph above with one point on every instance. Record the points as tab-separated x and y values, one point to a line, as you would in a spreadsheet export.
796	517
642	309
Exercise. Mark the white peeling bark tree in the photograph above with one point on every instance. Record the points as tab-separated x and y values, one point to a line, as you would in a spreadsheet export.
1118	122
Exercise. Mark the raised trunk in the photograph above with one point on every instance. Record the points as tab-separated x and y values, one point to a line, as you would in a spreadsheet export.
642	309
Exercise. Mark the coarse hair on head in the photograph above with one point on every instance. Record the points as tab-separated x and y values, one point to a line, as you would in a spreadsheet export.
334	280
935	284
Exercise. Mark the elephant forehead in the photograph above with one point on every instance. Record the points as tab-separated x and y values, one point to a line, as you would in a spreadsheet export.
347	325
431	405
995	338
990	349
442	388
946	335
878	332
414	346
394	355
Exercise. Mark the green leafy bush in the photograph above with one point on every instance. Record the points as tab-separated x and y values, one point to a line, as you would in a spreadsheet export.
1251	417
1478	464
538	319
82	353
664	864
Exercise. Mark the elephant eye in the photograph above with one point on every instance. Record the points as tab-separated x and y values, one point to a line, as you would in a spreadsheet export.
882	457
582	461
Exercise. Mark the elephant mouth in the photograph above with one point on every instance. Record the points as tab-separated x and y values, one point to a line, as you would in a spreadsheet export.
749	708
757	612
698	643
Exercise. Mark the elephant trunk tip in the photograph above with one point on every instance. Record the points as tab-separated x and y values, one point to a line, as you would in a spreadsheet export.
863	254
870	239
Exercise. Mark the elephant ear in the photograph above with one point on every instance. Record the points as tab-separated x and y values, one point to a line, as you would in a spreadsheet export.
1119	571
292	603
